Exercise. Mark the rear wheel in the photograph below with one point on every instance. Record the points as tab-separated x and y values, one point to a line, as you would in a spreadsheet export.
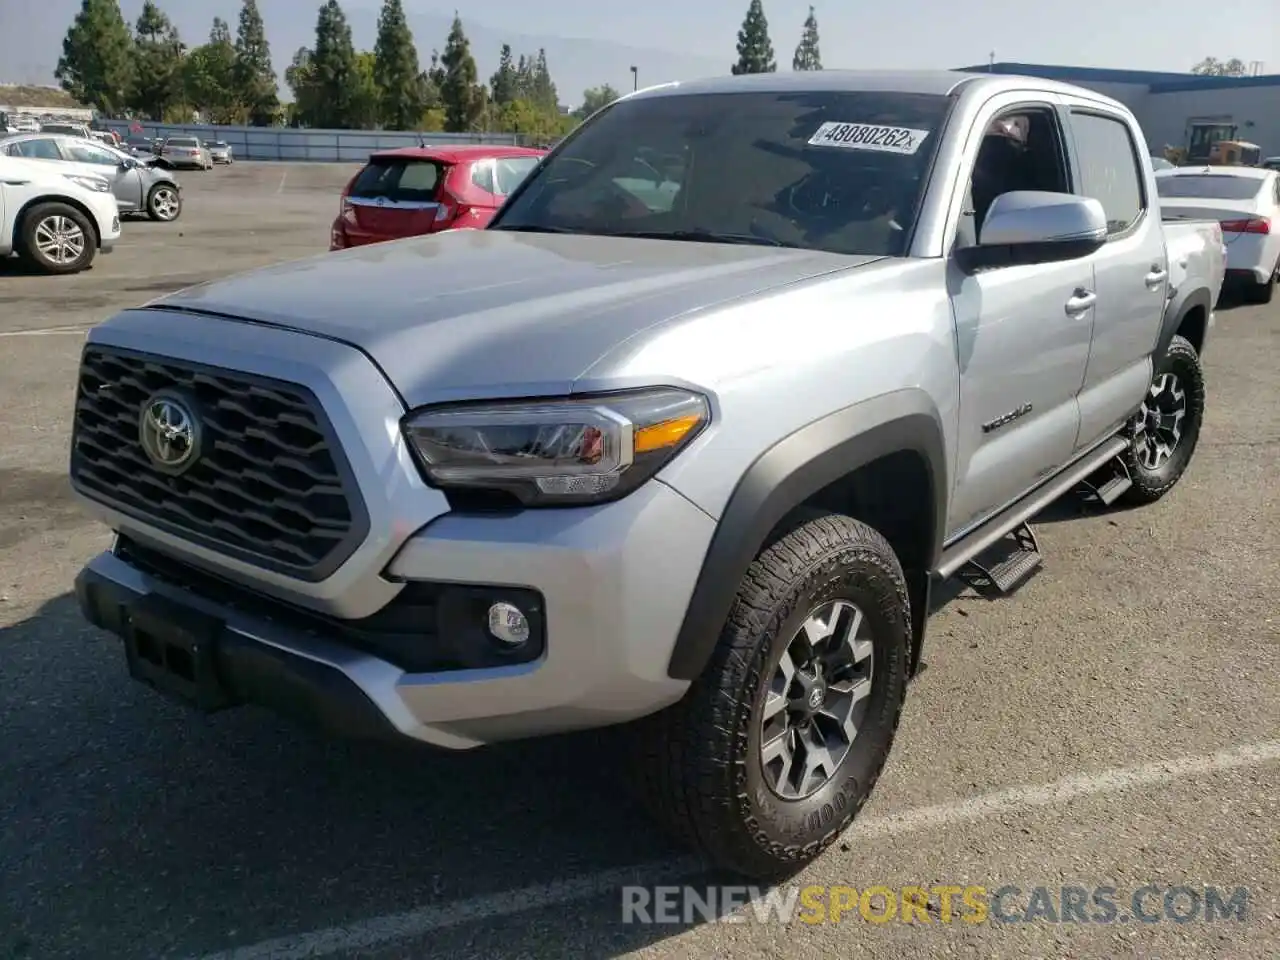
58	238
776	747
1166	428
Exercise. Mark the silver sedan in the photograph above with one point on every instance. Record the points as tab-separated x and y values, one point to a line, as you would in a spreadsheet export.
139	185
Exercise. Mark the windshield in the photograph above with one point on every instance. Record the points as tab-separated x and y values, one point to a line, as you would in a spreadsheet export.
833	171
1209	187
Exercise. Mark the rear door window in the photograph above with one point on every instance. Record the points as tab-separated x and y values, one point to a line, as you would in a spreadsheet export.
39	150
398	180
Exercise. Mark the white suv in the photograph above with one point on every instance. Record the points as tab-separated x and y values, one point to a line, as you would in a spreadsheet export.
57	221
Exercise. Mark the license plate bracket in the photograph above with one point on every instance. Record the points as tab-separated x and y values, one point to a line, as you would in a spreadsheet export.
172	649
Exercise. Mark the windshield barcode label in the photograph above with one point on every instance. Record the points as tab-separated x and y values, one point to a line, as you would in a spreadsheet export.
868	136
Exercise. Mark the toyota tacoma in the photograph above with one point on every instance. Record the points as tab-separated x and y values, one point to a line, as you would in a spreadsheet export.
678	443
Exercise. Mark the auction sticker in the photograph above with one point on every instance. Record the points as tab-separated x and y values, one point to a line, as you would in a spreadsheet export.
868	136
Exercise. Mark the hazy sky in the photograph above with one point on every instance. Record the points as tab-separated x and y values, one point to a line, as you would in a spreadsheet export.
1139	34
699	35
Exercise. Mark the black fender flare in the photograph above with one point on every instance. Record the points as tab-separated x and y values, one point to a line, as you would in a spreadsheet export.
1176	311
787	474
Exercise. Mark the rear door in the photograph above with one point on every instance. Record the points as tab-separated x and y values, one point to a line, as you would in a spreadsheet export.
1131	271
395	197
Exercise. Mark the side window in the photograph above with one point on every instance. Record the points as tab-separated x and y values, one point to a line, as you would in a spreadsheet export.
1021	149
482	175
1109	169
39	150
88	153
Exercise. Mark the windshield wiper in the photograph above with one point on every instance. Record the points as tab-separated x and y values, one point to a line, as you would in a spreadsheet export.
701	236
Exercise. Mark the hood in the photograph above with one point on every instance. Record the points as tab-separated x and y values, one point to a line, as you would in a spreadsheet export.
482	312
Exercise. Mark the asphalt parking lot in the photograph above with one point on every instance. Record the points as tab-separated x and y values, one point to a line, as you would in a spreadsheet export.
1115	723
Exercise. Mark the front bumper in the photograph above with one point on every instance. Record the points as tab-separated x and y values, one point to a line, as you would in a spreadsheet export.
610	586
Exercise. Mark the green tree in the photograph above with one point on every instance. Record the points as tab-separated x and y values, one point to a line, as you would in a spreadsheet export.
333	68
462	98
255	78
299	78
755	50
96	66
399	92
807	55
524	82
157	81
594	98
503	82
544	93
1213	67
209	77
365	109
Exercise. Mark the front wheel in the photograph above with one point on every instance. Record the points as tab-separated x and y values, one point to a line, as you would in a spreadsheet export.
778	744
163	203
1164	431
58	238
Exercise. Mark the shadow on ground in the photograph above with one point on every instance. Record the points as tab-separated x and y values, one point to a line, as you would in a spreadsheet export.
133	827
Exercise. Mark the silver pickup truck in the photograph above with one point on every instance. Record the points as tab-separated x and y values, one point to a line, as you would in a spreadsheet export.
680	443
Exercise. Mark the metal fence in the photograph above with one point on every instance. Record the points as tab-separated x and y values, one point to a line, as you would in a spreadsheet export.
285	143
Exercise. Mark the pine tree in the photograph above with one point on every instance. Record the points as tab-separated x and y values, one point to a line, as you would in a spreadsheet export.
333	68
96	66
209	74
503	81
157	82
755	51
255	77
395	70
544	92
463	100
807	55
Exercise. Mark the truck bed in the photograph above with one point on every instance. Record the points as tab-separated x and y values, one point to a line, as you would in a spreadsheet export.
1197	254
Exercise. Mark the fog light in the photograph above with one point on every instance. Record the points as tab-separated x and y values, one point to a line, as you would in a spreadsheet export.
508	624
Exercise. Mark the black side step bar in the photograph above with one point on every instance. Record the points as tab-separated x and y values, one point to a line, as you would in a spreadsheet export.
1017	514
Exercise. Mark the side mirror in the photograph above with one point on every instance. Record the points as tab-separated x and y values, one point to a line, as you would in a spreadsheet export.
128	163
1027	217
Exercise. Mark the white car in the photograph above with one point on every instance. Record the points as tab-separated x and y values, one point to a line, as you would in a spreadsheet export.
57	221
1246	201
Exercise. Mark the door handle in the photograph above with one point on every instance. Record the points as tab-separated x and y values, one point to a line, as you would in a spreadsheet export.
1156	276
1081	301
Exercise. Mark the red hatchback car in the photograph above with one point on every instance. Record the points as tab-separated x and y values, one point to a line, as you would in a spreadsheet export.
417	190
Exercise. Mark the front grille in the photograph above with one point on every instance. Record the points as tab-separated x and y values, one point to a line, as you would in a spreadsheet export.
270	486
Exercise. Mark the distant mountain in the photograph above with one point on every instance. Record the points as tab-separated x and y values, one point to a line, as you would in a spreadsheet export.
30	54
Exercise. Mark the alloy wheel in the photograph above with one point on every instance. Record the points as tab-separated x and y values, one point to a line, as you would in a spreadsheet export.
816	699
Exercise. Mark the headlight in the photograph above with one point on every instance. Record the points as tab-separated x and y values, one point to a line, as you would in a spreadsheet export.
89	183
574	450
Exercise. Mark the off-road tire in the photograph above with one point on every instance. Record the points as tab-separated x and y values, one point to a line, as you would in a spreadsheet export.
699	768
1149	485
30	251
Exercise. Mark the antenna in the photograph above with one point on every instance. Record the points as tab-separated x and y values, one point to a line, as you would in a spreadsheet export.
991	62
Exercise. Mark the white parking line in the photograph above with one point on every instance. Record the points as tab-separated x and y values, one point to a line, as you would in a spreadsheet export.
283	176
394	928
46	332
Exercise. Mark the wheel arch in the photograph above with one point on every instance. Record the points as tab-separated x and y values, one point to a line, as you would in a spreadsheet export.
21	218
1187	314
823	464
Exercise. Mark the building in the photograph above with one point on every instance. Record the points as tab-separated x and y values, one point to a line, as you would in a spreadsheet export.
1177	109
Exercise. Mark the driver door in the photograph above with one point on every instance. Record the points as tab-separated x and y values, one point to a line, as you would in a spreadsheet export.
1022	339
